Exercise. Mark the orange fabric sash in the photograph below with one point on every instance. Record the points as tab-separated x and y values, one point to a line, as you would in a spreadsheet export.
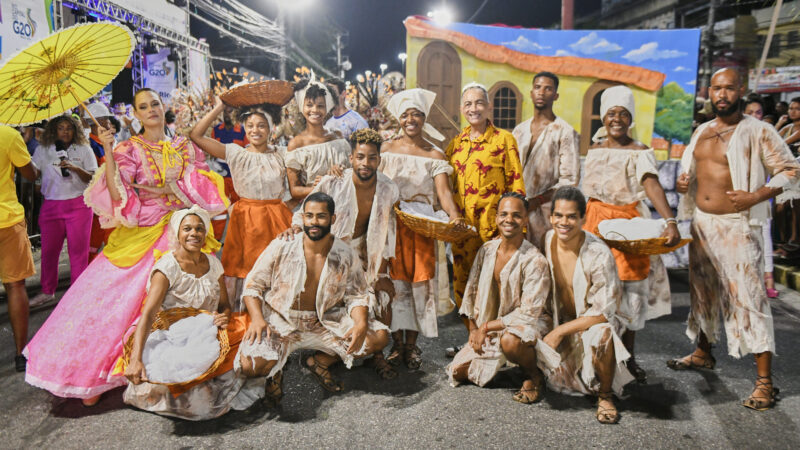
252	226
237	326
629	267
414	256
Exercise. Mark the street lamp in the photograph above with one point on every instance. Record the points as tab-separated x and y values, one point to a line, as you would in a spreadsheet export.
442	15
402	57
383	68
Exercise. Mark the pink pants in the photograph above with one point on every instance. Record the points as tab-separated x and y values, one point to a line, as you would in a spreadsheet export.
59	219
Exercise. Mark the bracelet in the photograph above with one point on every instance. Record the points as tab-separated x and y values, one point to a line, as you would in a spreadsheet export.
384	275
671	220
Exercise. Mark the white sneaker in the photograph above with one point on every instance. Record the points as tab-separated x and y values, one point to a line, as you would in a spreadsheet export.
41	299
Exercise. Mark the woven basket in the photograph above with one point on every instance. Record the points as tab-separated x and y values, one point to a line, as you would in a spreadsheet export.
433	229
276	92
654	246
163	321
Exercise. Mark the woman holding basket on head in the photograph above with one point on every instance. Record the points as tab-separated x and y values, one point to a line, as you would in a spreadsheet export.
258	173
620	172
422	173
76	353
188	278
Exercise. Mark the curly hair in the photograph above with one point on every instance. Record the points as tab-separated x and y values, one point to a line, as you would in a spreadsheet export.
314	92
263	110
366	136
50	135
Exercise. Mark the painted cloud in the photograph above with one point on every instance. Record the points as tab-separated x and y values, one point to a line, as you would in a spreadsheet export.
524	44
650	51
591	44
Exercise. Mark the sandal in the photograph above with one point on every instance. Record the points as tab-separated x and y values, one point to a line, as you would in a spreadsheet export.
522	396
683	364
323	375
759	404
638	373
396	354
382	367
412	357
273	391
606	415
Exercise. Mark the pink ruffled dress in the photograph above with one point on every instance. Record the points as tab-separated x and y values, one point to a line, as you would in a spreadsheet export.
74	353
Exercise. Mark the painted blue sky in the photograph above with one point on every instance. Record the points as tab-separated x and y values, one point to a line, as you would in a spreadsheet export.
672	52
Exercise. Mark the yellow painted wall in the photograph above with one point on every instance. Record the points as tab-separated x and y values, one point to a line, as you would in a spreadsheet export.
571	89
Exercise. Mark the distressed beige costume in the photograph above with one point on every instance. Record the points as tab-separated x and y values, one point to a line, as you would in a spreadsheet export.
614	176
726	256
596	291
519	301
553	161
415	305
278	278
316	159
378	242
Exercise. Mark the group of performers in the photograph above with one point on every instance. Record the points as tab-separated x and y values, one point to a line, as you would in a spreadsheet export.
342	276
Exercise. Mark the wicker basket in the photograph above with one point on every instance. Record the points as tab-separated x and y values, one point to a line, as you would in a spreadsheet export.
276	92
654	246
433	229
163	321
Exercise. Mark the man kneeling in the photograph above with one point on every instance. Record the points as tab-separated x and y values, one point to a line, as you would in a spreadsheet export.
586	294
308	293
504	301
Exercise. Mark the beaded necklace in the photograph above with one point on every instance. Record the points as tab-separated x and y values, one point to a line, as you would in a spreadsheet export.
170	157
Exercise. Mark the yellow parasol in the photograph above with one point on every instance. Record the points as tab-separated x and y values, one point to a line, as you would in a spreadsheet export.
61	71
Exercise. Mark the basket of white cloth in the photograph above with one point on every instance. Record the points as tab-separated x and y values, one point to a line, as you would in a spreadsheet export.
422	219
638	236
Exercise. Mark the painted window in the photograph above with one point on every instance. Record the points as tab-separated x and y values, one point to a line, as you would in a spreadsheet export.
507	105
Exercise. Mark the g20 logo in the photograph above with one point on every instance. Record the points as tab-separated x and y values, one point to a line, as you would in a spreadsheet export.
158	72
23	28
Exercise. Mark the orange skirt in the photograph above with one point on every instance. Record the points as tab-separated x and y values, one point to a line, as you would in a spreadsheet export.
237	326
252	226
414	256
629	267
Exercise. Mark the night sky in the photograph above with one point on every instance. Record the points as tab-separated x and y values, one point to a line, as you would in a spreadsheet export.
376	32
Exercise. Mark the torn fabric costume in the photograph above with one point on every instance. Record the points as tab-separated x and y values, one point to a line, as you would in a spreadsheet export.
519	301
378	243
75	353
553	161
278	278
316	160
726	263
596	291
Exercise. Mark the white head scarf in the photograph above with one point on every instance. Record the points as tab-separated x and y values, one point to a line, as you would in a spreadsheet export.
420	99
300	96
177	218
611	97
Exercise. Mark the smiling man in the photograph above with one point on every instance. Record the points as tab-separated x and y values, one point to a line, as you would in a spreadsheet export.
725	167
504	302
486	166
585	297
308	293
550	154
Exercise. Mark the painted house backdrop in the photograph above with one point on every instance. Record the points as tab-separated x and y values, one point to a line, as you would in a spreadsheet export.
660	66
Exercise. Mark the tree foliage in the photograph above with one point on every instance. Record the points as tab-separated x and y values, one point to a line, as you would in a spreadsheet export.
674	113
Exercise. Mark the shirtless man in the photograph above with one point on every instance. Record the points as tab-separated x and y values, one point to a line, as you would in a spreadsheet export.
312	153
584	307
725	169
505	307
364	219
549	149
330	313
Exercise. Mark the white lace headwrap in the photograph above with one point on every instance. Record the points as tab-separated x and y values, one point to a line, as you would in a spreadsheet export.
611	97
300	96
420	99
177	218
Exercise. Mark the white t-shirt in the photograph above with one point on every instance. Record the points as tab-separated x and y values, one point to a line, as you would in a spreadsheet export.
54	185
347	123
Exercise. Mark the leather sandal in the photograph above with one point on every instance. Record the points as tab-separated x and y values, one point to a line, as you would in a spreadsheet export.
606	415
323	375
763	385
691	364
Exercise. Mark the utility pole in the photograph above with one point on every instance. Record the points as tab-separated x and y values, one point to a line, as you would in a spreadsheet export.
282	26
708	44
567	14
339	67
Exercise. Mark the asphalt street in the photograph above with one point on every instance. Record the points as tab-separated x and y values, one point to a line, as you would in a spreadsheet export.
420	410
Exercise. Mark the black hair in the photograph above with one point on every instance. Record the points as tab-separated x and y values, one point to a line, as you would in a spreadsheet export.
340	85
320	197
274	112
782	103
550	75
169	117
570	194
314	92
115	122
366	136
754	98
794	100
515	195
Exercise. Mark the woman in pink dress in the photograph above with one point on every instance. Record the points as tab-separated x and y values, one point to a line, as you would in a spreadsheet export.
76	352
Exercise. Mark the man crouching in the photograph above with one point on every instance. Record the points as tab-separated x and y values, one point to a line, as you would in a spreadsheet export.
308	293
504	300
586	294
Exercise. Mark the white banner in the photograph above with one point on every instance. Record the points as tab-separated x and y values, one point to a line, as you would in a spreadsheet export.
159	74
22	22
198	72
158	11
